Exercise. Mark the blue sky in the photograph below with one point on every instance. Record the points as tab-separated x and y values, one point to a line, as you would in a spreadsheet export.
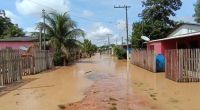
96	17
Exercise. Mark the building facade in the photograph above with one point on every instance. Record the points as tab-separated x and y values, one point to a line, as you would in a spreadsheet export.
186	36
18	42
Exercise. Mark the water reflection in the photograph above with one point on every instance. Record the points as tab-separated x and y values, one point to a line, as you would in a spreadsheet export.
166	93
71	82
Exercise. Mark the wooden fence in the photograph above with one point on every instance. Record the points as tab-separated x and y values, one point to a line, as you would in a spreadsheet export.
144	59
183	65
13	65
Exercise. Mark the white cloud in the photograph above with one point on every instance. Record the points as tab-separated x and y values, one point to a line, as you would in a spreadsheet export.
99	32
34	7
14	18
188	19
121	25
31	29
87	13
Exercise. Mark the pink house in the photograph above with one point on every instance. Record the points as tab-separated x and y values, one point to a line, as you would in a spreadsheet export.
183	37
18	42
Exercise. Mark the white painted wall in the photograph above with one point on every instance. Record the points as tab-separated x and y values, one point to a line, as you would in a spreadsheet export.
185	29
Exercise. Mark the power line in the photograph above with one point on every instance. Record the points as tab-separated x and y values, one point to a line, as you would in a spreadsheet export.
126	8
83	18
42	5
92	20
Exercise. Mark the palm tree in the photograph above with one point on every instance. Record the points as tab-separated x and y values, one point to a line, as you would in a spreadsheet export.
89	48
62	33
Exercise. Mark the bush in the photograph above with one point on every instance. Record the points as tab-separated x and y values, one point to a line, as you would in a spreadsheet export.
58	60
120	52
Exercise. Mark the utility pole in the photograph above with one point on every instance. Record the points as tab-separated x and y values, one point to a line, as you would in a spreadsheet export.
43	12
122	40
40	38
126	8
109	43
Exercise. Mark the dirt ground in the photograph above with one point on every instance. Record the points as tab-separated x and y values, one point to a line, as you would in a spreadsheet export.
111	93
101	83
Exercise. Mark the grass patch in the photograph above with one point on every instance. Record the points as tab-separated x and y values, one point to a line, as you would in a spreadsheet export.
88	72
172	100
112	99
62	107
152	95
113	108
154	98
71	104
114	104
151	89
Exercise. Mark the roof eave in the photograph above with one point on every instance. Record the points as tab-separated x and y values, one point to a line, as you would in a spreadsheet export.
176	37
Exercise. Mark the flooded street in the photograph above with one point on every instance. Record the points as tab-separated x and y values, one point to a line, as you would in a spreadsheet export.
102	83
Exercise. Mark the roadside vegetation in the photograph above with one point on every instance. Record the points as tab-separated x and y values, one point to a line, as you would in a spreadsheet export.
197	11
156	20
89	48
62	33
9	29
120	52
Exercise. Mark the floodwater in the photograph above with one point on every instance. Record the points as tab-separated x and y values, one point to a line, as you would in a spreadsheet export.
102	83
48	90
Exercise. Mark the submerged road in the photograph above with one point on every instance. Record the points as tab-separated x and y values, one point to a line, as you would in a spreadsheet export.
101	83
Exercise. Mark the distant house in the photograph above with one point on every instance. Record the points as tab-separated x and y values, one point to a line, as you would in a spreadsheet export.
22	43
185	36
129	47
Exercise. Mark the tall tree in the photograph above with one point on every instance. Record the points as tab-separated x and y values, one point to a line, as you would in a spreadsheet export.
156	20
14	31
62	33
88	47
160	10
157	15
197	11
136	34
8	29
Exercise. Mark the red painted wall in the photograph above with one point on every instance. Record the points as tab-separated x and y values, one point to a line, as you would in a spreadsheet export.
161	46
156	46
15	45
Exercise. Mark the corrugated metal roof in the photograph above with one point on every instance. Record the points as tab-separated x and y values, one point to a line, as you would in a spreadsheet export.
197	34
19	39
180	25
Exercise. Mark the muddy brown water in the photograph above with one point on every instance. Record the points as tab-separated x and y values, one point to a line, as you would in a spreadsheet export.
67	85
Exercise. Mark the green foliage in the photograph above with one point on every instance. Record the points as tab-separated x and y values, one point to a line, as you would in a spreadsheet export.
120	52
14	31
137	33
197	11
58	60
94	48
8	29
62	33
89	48
160	10
156	21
